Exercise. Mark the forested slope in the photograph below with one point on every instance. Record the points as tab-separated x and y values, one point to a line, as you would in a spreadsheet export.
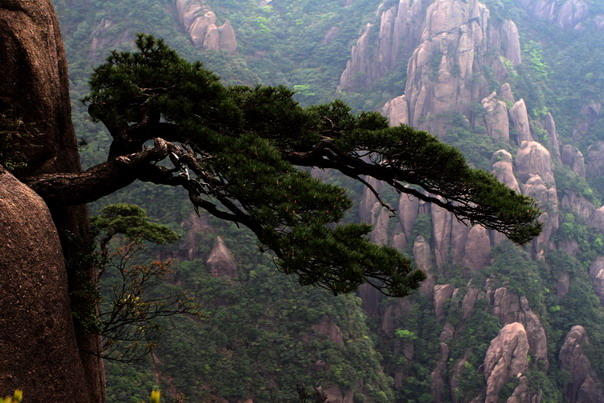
517	85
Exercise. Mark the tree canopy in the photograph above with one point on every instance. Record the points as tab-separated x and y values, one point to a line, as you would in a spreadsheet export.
239	152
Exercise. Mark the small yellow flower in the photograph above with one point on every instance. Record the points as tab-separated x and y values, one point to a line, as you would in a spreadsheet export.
18	396
155	396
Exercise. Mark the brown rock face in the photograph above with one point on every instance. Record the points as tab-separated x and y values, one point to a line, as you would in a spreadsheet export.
572	13
34	85
398	28
520	121
507	357
503	169
441	67
200	23
397	111
38	351
327	328
534	159
496	118
552	136
511	308
221	261
478	248
584	386
573	158
568	14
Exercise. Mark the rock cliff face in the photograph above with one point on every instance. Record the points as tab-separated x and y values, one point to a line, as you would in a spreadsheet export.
446	44
38	351
34	87
399	27
200	23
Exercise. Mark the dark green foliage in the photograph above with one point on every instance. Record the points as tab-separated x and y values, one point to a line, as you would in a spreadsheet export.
241	142
131	221
256	338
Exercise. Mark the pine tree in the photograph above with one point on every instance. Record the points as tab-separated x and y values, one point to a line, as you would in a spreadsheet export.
238	151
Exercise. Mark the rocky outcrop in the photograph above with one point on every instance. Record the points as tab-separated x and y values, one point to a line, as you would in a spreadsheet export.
34	86
596	272
595	159
506	94
38	351
496	118
477	252
200	23
221	262
547	199
397	111
336	395
573	158
523	393
503	169
583	207
398	28
195	228
534	167
533	159
506	358
509	308
520	122
553	144
440	69
442	295
572	13
584	385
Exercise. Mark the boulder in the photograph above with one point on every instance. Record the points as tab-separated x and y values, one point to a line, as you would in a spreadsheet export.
503	169
38	351
520	121
509	307
584	384
507	357
496	118
534	159
199	22
397	111
573	158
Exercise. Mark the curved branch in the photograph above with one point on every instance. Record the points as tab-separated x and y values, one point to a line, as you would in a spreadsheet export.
98	181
